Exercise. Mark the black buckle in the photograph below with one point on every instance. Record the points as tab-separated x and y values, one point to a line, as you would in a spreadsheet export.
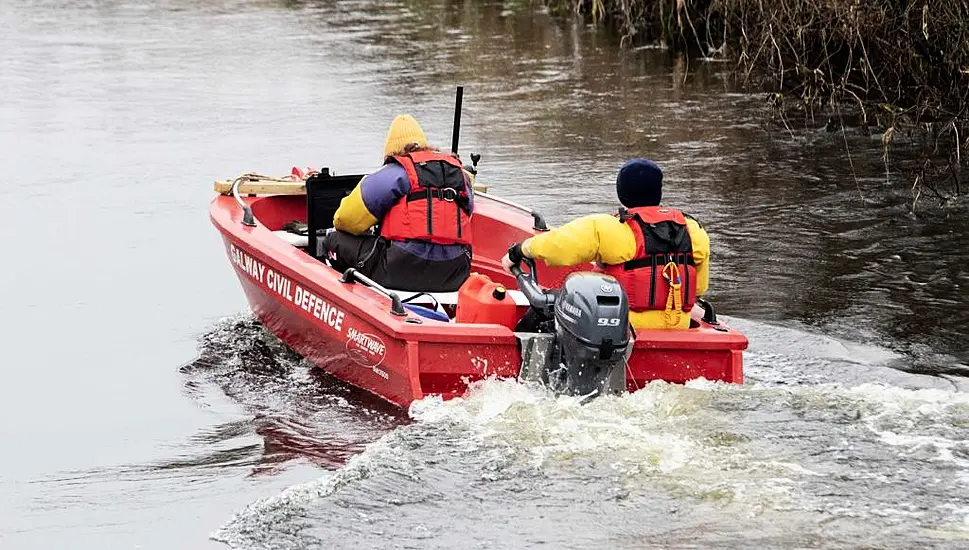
445	196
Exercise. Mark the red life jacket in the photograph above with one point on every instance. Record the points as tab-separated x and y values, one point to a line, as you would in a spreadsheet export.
664	257
437	207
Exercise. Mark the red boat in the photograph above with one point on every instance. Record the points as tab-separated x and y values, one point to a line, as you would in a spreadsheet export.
397	344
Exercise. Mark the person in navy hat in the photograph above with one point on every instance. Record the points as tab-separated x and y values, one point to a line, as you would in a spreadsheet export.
659	255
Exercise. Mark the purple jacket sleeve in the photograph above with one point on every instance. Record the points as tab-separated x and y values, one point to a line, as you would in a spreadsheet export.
383	188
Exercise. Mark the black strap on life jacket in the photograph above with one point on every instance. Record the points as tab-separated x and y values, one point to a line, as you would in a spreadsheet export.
437	179
445	194
665	242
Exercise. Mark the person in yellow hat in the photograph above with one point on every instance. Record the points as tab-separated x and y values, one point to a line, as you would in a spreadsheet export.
660	255
407	225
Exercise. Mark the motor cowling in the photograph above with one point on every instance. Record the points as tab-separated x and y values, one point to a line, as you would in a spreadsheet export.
592	331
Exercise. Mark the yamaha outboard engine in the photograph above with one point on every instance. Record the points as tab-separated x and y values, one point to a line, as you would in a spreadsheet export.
592	330
587	338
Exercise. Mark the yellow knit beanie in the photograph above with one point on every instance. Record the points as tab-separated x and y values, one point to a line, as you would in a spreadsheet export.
403	131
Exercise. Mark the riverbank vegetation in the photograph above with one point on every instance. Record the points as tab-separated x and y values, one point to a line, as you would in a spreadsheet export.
891	67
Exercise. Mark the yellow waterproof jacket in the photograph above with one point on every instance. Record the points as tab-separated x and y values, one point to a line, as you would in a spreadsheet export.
604	239
353	216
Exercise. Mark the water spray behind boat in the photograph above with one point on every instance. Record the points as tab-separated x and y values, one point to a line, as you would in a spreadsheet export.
580	339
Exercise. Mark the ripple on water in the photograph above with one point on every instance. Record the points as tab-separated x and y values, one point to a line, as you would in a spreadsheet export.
706	462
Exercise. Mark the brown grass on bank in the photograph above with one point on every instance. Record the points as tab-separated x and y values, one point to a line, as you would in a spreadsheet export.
900	66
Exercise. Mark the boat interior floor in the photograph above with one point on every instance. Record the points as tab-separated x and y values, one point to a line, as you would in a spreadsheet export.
296	234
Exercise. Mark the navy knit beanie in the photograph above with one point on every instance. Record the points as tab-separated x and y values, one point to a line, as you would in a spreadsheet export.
639	183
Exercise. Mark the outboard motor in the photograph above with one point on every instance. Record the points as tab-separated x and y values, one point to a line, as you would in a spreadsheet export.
592	330
586	340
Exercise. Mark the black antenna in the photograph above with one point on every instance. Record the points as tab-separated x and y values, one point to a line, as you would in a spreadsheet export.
457	120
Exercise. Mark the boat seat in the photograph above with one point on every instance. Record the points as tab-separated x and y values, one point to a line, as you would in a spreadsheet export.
295	239
446	301
435	314
449	298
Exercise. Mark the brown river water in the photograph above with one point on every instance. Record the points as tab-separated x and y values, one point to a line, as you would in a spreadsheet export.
142	407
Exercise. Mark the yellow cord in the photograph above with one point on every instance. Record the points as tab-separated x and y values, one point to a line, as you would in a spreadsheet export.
674	301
